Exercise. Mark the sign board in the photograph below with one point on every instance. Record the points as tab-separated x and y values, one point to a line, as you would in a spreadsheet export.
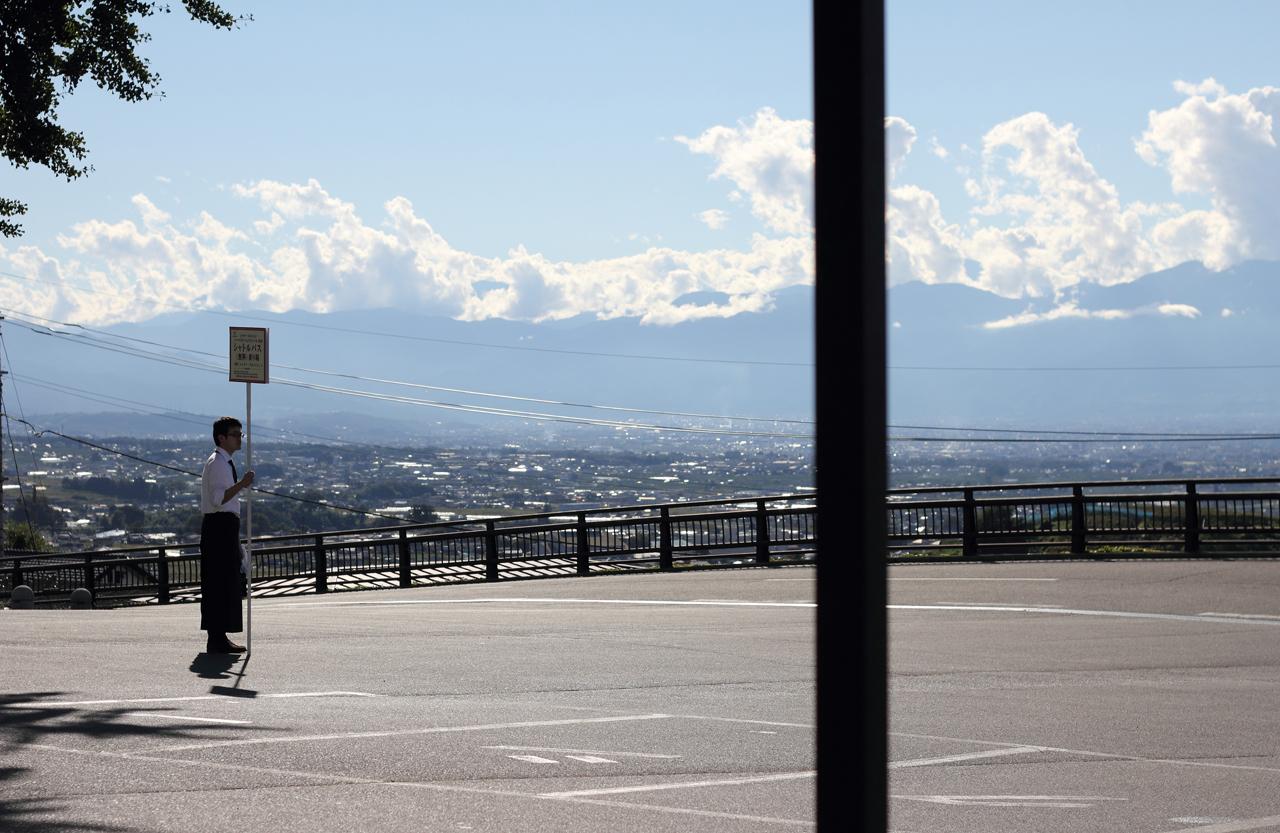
249	355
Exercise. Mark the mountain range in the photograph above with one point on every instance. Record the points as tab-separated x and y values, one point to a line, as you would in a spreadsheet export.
1187	347
753	364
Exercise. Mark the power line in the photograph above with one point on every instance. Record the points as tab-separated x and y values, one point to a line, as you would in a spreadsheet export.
416	385
1079	368
1089	440
1112	434
479	409
403	336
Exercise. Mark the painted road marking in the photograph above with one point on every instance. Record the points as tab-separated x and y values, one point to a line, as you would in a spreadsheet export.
681	785
33	704
1244	615
705	602
590	759
1232	826
915	578
967	756
1092	754
1121	614
404	732
333	778
1064	801
533	759
184	717
584	752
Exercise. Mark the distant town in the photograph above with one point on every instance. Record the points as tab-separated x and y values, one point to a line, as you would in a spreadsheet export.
77	497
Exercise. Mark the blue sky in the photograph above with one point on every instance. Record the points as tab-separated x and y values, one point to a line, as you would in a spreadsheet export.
575	130
1072	152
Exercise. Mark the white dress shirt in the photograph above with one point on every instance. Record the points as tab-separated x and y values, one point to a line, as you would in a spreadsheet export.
215	480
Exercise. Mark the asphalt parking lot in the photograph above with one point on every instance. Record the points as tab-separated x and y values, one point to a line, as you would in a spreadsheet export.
1023	697
1085	697
651	702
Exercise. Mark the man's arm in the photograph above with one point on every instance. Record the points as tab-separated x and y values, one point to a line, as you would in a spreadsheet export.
245	482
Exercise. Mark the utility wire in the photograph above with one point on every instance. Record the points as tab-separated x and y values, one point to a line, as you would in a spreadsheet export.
1112	434
39	432
352	330
1080	368
530	415
396	382
1217	438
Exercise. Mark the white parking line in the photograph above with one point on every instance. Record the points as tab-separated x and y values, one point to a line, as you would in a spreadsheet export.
1243	615
333	778
682	785
1092	754
33	704
967	756
1232	826
1011	800
406	732
1007	578
702	602
184	717
1119	614
583	752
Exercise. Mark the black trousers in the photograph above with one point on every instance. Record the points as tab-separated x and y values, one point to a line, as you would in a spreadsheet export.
221	585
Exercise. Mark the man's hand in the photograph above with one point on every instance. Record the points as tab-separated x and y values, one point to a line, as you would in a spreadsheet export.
246	481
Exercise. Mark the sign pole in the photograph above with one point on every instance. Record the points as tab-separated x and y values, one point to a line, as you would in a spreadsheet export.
249	363
248	516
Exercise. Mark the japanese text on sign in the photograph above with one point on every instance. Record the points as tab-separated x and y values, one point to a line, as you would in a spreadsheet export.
249	355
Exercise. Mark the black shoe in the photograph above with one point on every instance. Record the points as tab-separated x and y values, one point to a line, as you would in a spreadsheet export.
226	647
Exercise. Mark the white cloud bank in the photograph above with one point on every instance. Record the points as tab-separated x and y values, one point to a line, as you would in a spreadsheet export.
314	251
1044	219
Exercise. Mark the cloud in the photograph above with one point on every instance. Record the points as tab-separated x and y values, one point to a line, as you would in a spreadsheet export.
770	161
714	218
899	136
1222	146
1070	309
1043	219
312	250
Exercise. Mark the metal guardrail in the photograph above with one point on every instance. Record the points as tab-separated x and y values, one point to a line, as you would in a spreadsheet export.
730	532
1209	518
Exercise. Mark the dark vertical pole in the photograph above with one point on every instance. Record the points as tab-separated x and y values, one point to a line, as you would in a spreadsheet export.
584	546
88	574
665	561
1192	519
321	558
849	79
762	534
406	575
969	535
162	576
1079	544
490	552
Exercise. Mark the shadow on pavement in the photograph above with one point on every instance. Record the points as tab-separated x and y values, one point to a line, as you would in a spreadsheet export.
214	666
37	717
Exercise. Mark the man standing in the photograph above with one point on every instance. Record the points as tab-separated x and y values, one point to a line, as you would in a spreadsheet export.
220	582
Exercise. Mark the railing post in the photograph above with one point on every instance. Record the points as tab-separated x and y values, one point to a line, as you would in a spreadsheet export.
162	577
490	552
665	561
1191	518
88	574
762	534
321	558
584	546
1078	543
970	535
17	574
406	575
